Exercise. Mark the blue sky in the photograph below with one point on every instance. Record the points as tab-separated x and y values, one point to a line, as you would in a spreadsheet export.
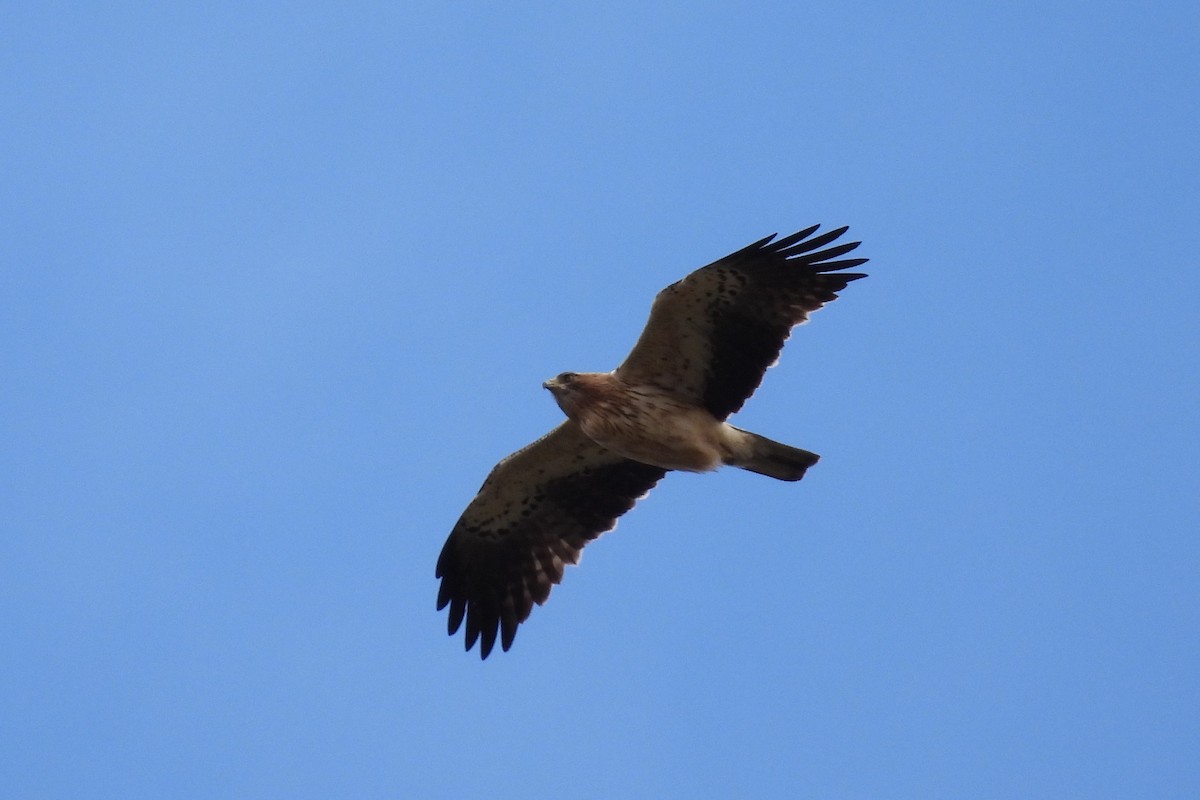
279	284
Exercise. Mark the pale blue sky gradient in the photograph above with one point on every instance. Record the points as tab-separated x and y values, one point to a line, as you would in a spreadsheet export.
279	283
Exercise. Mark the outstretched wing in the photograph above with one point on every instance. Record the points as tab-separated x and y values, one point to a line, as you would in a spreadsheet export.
712	335
534	514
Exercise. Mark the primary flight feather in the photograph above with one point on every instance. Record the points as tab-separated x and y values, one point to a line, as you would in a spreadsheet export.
704	350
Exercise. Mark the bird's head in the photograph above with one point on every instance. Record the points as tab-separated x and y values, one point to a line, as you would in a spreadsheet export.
562	383
570	390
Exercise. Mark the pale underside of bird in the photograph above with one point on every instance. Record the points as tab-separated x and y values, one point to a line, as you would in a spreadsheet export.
708	342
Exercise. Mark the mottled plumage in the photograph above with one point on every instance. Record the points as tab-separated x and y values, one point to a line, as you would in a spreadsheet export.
704	350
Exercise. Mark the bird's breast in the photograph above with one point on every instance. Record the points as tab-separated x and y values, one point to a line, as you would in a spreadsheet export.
650	426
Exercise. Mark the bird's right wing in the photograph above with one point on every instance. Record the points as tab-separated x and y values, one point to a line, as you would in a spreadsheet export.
534	514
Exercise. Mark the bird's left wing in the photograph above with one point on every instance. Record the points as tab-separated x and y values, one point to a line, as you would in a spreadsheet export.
534	514
712	335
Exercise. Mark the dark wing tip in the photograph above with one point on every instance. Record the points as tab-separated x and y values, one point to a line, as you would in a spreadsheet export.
806	253
488	637
493	591
458	609
756	247
781	284
799	250
797	244
788	241
508	632
835	266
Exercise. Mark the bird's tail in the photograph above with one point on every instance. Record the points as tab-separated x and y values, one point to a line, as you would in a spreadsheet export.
766	457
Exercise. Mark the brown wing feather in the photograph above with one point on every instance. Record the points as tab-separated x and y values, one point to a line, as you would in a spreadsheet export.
712	335
534	514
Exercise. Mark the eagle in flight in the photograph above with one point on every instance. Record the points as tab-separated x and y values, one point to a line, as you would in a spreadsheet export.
709	340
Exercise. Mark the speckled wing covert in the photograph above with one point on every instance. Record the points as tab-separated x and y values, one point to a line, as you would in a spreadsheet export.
534	514
712	335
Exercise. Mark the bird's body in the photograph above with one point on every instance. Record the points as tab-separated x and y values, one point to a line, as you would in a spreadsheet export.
709	339
649	424
643	422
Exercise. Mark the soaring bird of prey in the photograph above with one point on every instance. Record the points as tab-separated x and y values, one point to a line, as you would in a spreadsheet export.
709	340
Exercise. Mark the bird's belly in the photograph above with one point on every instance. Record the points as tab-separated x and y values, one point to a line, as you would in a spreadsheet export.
663	433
